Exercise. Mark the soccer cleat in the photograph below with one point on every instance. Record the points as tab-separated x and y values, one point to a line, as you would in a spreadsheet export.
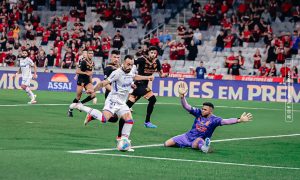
131	109
149	125
205	147
32	101
70	113
88	119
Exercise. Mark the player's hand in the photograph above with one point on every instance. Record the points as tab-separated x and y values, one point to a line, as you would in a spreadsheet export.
151	78
245	117
182	90
133	86
35	76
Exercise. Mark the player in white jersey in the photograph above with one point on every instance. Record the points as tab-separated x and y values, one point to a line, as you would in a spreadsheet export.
25	68
121	80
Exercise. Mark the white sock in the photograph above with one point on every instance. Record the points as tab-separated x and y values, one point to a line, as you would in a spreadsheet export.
29	93
94	112
127	128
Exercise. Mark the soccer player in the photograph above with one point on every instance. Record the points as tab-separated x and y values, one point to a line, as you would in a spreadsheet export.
25	68
146	66
204	125
115	102
84	81
112	66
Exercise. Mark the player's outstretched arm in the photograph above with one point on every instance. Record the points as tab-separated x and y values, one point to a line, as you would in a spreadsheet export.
101	85
143	78
245	117
182	90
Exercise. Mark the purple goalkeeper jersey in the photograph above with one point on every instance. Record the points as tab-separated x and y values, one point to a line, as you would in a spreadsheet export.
202	127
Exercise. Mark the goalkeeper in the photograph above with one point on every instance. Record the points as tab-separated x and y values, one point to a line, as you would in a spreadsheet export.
204	125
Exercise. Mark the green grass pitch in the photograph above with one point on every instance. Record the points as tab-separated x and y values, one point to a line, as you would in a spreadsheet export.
35	140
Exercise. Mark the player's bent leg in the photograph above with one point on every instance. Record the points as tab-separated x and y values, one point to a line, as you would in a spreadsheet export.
76	100
26	88
170	143
203	145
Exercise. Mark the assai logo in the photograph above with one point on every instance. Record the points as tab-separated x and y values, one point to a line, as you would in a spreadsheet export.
60	82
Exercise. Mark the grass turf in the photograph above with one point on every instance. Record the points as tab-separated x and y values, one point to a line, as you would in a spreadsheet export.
34	140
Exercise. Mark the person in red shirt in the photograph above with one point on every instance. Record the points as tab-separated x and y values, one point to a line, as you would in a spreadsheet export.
228	42
154	41
10	58
194	22
280	54
284	70
263	70
224	8
181	50
246	34
257	59
229	61
166	67
2	57
173	51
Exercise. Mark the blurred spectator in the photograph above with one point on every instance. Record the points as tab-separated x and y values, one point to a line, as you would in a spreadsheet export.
181	50
52	5
164	37
272	70
3	41
229	39
41	59
166	67
280	54
10	58
294	74
2	58
213	72
200	71
241	59
197	37
118	40
257	59
220	42
154	41
173	50
229	61
235	68
263	70
68	60
50	58
98	28
193	51
295	42
271	53
284	71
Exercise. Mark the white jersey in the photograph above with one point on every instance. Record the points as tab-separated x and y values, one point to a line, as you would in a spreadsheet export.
25	65
120	85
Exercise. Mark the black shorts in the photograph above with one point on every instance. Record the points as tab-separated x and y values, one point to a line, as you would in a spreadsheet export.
141	90
84	81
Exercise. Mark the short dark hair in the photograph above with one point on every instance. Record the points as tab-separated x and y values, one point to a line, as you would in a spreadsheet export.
128	57
152	48
117	52
209	104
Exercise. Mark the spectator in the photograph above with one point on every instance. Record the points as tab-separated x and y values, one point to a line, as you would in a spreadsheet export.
181	50
118	40
193	51
271	53
241	59
294	74
295	42
263	70
2	58
50	59
41	59
3	41
197	37
280	54
213	72
257	59
220	42
229	39
166	67
10	58
98	28
284	71
68	60
173	50
235	68
200	71
272	71
229	61
154	41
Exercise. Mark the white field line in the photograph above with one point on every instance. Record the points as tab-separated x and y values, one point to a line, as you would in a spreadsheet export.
173	104
157	145
197	161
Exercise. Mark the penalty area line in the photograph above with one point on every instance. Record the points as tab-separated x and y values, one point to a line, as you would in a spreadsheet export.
196	161
159	145
159	103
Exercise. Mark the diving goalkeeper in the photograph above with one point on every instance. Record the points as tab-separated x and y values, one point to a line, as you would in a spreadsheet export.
204	125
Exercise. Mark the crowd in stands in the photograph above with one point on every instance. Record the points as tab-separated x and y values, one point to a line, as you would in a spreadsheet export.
242	22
